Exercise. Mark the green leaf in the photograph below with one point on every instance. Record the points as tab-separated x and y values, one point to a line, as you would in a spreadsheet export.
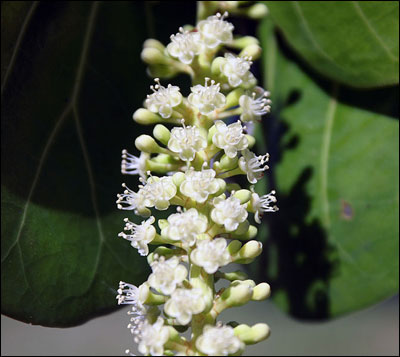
69	88
333	245
353	42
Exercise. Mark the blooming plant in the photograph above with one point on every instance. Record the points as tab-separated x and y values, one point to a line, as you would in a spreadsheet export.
193	159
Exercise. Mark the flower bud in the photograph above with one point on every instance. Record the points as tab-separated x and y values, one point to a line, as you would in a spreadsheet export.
243	195
232	99
251	335
242	228
234	247
153	56
216	65
152	43
162	70
148	297
257	11
261	292
161	133
253	51
178	178
242	42
249	234
248	252
162	223
147	144
226	163
237	294
251	140
146	117
211	133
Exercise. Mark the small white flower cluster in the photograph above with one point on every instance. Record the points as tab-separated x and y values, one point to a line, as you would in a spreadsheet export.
193	159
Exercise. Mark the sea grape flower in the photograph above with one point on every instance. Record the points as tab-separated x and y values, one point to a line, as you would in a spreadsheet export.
184	303
166	275
237	70
163	100
130	200
130	294
228	212
263	204
186	142
230	138
211	254
141	234
254	166
215	31
256	106
186	226
198	185
159	191
132	165
218	341
207	98
185	45
152	337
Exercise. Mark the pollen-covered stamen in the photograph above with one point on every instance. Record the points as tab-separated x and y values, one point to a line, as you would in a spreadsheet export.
254	166
130	200
128	294
256	105
133	165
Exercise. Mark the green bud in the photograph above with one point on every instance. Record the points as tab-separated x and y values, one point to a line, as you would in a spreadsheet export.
242	228
153	56
261	292
237	294
147	144
216	65
257	11
251	140
162	133
222	187
211	133
249	234
162	223
244	41
252	50
162	70
251	335
152	43
177	178
248	252
232	99
243	195
146	117
234	247
148	297
234	275
226	163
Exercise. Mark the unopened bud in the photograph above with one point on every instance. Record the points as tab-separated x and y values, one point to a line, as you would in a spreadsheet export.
257	11
162	133
237	294
243	195
251	140
226	163
146	296
251	335
254	51
178	178
153	56
242	42
147	144
216	65
152	43
234	247
146	117
261	292
232	99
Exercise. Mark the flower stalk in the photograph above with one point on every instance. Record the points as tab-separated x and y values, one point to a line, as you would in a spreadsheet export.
198	142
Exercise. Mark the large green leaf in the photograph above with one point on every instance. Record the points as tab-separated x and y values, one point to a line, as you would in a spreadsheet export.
333	246
354	42
71	78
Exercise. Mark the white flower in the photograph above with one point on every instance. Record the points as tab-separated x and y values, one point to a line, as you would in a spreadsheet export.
163	99
185	45
186	226
198	185
256	106
253	165
218	341
141	234
166	274
133	200
237	70
132	165
184	303
211	254
153	337
130	294
230	138
228	212
207	98
186	142
214	30
262	204
158	192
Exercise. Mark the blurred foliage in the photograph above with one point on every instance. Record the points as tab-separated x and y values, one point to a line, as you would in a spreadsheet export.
71	79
